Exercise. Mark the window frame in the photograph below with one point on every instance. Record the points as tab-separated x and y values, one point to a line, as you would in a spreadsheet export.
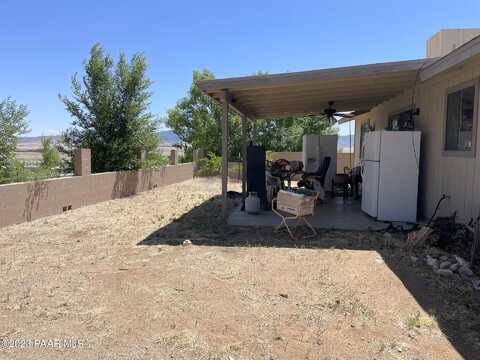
398	112
461	153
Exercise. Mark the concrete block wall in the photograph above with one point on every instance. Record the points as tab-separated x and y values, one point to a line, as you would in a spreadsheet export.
289	156
27	201
345	160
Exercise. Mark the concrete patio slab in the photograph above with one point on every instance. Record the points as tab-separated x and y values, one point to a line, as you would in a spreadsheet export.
333	214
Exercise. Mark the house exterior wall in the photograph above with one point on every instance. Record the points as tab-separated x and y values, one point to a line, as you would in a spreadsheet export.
27	201
445	41
440	174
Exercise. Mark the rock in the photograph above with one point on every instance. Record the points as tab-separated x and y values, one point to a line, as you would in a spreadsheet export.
435	252
454	267
476	283
465	271
187	242
432	262
444	258
444	272
414	259
461	261
445	264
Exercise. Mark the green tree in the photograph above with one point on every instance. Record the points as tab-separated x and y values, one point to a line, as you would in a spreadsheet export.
110	111
287	134
196	119
13	123
51	160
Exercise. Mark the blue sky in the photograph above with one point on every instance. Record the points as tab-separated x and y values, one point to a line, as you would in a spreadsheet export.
45	42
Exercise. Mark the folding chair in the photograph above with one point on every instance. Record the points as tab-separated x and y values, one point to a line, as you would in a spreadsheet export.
292	206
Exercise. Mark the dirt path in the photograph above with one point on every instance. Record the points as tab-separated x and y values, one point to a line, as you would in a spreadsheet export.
113	277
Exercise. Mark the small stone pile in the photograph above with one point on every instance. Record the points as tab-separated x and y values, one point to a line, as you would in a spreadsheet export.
452	266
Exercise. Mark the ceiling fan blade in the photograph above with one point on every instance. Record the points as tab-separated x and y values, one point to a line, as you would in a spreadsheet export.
342	120
348	116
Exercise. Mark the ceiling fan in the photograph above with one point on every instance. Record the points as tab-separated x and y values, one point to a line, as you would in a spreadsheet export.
333	116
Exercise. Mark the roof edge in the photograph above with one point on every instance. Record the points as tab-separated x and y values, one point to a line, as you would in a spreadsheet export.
452	59
259	81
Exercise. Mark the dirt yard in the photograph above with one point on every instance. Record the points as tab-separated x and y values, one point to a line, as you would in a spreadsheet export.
113	281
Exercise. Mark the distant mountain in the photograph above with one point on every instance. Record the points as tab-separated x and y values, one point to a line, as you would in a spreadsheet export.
36	139
28	143
168	137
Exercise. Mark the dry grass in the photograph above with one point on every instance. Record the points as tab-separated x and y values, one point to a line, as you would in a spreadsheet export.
419	320
84	275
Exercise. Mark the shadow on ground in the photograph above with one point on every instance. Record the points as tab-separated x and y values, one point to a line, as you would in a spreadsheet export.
455	305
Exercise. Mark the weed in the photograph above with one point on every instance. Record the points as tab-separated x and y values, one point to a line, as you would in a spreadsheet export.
418	320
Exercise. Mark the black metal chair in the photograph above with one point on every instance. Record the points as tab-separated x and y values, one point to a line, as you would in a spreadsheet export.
319	175
342	182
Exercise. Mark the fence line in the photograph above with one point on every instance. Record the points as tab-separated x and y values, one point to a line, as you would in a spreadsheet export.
20	202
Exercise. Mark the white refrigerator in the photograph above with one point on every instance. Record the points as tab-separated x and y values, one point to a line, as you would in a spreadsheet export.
390	169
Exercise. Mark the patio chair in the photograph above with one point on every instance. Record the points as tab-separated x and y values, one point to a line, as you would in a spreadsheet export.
319	175
292	206
342	182
274	185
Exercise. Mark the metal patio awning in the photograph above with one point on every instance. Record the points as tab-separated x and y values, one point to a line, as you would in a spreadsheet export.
353	88
304	93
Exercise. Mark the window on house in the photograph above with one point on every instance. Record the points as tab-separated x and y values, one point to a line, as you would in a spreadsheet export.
400	121
459	127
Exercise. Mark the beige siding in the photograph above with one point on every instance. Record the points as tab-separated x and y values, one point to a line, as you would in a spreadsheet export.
455	176
447	40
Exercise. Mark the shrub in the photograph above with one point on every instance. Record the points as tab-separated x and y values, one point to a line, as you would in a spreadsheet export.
51	160
210	165
187	156
154	160
15	171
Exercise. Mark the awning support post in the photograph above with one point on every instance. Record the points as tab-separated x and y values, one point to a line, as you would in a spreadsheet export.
226	100
244	157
